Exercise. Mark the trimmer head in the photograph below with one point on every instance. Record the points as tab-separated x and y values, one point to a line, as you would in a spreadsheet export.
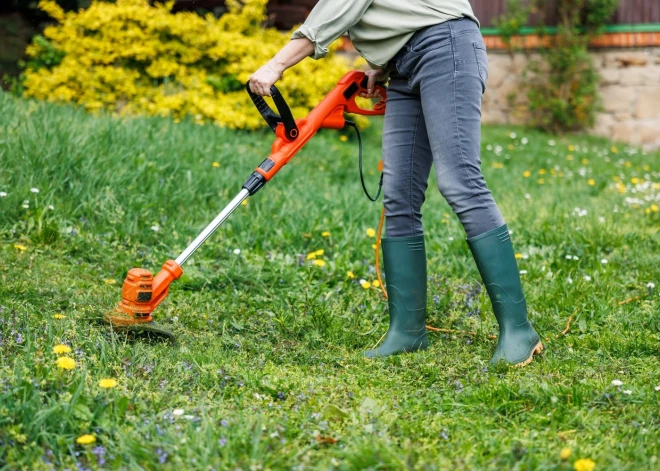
141	294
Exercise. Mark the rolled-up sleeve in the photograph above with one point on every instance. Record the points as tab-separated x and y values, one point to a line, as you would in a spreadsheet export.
328	20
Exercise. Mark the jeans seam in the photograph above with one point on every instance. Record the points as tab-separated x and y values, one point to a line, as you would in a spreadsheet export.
412	166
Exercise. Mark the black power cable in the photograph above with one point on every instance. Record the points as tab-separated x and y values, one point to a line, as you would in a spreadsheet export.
364	187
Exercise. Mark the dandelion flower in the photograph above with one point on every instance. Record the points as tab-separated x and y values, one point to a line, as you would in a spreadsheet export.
584	464
373	246
527	174
20	247
542	171
244	203
524	141
569	157
215	165
319	252
110	281
85	439
540	181
366	284
614	150
59	316
108	383
311	256
376	284
61	349
371	232
655	208
325	234
571	148
519	256
343	138
65	363
350	274
617	382
565	454
34	190
319	263
591	182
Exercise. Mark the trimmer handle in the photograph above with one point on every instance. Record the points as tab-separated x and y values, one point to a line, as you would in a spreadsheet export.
379	108
273	119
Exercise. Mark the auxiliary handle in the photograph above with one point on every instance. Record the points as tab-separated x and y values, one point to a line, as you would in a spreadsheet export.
285	117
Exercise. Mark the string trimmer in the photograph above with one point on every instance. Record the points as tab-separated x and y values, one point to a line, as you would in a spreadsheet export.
142	292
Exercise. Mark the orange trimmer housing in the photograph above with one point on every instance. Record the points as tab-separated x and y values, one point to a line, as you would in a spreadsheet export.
142	292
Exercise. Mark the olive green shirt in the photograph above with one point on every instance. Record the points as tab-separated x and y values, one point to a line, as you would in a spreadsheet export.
378	28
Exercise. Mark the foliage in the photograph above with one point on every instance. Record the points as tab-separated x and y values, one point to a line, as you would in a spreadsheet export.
135	58
267	373
562	87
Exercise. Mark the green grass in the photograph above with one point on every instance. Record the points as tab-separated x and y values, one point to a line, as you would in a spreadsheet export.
267	369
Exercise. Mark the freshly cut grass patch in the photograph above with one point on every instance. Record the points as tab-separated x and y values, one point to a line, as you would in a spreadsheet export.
267	372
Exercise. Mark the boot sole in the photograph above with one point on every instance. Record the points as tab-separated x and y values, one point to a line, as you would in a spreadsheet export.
536	351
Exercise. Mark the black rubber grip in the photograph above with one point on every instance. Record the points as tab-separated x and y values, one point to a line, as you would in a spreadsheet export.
273	119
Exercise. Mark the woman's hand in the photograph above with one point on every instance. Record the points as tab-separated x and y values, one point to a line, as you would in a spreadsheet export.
372	76
264	78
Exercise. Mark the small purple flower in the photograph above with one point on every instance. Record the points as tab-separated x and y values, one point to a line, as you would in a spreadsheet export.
99	451
223	441
19	338
162	455
224	423
281	396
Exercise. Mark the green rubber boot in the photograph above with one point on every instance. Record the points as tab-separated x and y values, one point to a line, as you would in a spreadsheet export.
493	252
405	267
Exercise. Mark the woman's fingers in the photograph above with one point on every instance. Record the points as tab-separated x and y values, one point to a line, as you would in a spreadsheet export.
262	80
371	83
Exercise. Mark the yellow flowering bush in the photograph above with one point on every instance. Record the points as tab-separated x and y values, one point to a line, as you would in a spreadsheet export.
131	57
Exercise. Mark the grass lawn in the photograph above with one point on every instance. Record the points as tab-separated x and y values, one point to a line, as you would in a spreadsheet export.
267	372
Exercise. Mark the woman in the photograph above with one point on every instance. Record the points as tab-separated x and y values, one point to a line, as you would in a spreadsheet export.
436	60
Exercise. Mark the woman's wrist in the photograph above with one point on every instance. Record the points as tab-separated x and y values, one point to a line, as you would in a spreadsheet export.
276	67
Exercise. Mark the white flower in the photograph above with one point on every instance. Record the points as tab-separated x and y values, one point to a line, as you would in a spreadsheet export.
587	278
2	194
569	280
528	196
26	205
450	238
524	141
617	382
551	142
237	251
575	257
568	257
657	388
523	272
189	417
513	135
34	190
603	261
650	284
628	392
155	228
489	147
51	207
601	219
177	412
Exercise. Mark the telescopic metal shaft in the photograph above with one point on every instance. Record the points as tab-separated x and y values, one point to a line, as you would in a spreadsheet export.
210	229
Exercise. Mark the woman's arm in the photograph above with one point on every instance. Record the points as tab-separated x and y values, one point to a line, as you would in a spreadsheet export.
295	51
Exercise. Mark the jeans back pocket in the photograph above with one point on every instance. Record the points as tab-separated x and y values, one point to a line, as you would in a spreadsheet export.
482	63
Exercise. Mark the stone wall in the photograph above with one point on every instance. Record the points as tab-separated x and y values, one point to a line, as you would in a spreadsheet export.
629	90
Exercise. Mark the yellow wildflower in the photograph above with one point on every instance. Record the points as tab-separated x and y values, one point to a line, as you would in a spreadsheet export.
350	274
371	232
59	316
20	247
110	281
542	171
85	439
519	256
244	203
569	157
215	165
634	180
565	454
343	138
591	182
614	150
325	234
319	252
527	174
108	383
585	161
311	256
374	246
654	208
571	148
375	284
61	348
65	363
366	285
319	263
584	464
510	147
540	181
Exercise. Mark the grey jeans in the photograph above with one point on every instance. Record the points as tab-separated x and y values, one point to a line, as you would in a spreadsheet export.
434	117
